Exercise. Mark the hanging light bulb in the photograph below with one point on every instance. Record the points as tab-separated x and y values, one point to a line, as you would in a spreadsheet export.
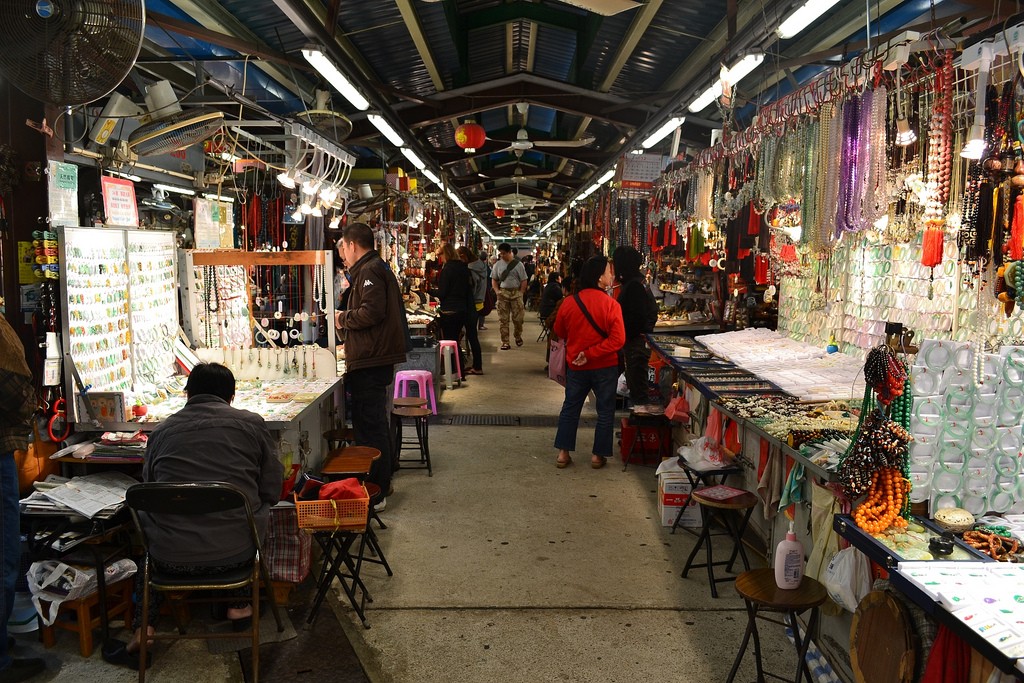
317	212
335	222
974	148
285	179
297	216
310	187
904	134
305	208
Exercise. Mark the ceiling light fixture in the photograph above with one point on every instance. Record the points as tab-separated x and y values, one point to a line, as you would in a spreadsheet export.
414	158
174	188
660	134
432	177
384	127
802	18
733	76
974	148
328	70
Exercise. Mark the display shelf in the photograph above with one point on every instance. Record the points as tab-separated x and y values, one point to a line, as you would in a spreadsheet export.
154	304
888	557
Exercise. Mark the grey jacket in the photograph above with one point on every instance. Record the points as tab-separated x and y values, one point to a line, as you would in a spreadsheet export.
208	440
478	272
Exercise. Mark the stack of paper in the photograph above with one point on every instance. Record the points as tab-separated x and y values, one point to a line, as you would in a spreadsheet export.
94	496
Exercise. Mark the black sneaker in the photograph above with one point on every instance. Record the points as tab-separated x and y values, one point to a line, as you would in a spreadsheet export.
22	670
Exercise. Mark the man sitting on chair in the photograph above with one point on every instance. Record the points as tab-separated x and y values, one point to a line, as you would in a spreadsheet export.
206	441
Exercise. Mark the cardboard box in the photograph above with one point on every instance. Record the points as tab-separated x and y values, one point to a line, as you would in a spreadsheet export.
673	494
652	443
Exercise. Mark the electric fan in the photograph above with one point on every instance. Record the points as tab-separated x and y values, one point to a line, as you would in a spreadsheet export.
332	125
171	127
69	52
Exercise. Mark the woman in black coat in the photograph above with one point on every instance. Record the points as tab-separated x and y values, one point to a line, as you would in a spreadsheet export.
456	294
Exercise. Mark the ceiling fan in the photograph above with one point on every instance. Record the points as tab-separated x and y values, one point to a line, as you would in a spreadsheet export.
518	174
523	143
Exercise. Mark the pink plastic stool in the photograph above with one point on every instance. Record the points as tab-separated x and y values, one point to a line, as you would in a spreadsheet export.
449	350
423	379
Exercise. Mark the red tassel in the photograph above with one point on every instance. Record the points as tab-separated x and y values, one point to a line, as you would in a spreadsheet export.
1017	231
931	247
754	223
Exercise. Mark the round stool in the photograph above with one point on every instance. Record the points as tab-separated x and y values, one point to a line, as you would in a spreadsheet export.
760	593
449	351
355	461
719	501
424	382
335	437
409	402
420	417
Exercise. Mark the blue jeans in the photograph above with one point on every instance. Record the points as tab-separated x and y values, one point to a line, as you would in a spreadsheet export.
578	384
10	546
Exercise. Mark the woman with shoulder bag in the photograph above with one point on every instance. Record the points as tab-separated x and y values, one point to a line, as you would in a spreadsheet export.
454	292
590	321
478	283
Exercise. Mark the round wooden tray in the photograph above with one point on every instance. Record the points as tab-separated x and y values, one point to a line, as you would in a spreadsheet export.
883	642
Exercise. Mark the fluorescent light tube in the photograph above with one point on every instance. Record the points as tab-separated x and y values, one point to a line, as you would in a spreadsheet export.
802	18
608	175
660	134
127	176
744	67
713	92
174	188
411	156
384	127
431	176
328	70
221	198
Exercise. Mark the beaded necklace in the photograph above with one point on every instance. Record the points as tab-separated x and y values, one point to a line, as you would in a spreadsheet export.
848	165
809	194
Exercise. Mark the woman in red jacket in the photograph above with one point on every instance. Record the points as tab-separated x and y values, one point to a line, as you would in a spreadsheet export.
591	323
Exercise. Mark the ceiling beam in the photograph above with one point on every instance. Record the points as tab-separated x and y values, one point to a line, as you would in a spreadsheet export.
521	10
412	22
641	21
583	156
245	47
211	15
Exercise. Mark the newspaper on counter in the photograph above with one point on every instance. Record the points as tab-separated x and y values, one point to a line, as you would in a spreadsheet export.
92	496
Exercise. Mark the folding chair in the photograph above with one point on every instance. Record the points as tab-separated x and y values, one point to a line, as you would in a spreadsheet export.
197	499
356	461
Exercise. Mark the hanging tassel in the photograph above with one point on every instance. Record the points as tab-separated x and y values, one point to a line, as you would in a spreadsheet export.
1016	245
932	245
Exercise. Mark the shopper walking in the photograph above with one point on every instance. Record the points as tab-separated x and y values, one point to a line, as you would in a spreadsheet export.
17	403
489	296
478	282
639	315
590	322
375	334
508	278
455	292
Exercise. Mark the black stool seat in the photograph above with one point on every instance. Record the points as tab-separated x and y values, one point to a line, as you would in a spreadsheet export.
759	591
719	501
420	417
702	477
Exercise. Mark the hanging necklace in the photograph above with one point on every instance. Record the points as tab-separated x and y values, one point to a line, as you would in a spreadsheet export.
320	287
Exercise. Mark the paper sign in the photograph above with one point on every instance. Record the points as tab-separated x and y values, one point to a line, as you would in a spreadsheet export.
26	257
119	201
63	186
214	227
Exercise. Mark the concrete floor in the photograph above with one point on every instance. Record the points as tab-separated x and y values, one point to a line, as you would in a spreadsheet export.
506	569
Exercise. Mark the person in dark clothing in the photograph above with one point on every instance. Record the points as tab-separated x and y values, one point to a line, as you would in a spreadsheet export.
551	295
478	280
374	330
639	314
455	290
208	440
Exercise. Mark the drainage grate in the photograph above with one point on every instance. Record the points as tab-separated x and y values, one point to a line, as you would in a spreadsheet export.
506	420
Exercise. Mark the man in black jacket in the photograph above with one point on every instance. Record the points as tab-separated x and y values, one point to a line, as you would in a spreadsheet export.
639	314
373	326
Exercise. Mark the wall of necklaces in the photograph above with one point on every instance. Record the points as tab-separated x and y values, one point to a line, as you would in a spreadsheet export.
120	294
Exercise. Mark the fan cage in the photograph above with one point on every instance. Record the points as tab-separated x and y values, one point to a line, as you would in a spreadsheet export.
175	132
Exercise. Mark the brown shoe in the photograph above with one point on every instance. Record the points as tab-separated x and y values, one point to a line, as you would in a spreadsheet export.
505	347
599	463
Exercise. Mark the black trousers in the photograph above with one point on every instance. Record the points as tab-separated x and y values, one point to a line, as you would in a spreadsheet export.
370	419
635	356
473	338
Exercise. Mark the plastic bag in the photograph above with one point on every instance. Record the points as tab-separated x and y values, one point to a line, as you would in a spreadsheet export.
848	578
621	388
556	361
678	409
56	582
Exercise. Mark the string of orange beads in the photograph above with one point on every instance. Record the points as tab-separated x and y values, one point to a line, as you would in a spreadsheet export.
886	497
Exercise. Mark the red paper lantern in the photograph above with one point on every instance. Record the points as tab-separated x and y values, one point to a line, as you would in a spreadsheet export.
499	213
470	136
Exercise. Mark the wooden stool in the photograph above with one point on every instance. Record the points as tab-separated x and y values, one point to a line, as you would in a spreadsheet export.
718	501
86	616
356	461
697	478
336	437
420	417
759	592
409	402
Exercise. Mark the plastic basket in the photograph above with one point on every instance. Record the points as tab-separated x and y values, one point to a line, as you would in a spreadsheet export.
333	515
